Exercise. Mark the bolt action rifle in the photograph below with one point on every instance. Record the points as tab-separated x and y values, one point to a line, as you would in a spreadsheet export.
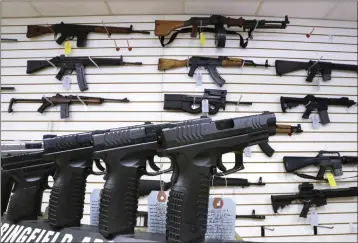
209	63
200	24
69	64
70	31
64	101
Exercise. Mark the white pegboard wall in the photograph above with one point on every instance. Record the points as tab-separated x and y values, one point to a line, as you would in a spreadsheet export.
144	86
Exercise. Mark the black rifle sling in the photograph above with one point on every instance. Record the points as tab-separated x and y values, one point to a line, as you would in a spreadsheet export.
308	176
243	42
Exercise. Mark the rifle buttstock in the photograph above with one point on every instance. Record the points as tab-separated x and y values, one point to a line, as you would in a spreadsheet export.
164	27
37	30
166	64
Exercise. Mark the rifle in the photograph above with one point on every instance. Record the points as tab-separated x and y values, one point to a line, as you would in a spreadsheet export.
70	31
216	100
310	197
323	160
209	63
312	103
69	64
195	151
125	153
313	68
280	129
7	88
165	27
64	101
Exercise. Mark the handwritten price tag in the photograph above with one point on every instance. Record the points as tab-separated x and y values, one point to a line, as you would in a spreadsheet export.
157	212
68	47
94	206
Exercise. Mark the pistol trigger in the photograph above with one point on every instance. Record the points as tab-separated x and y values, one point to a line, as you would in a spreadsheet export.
152	164
220	164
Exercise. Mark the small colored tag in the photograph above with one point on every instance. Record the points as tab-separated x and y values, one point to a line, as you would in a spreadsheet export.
67	83
68	47
331	180
314	218
198	79
202	39
315	121
205	106
94	206
247	152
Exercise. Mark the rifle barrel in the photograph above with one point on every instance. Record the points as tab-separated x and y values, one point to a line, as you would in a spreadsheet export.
240	103
116	100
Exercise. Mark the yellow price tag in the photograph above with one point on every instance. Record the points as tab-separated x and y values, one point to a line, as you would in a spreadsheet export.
202	38
331	180
68	47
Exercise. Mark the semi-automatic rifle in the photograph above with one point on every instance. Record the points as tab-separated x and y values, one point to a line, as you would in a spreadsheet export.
69	64
325	160
310	197
64	101
313	103
209	63
313	68
200	24
70	31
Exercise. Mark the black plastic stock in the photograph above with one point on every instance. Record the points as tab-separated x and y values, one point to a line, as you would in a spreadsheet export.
293	163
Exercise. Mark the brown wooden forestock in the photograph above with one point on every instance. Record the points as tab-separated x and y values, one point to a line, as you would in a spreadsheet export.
37	30
235	22
232	62
165	64
164	27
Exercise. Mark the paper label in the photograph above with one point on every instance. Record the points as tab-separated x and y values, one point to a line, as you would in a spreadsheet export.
198	78
314	218
68	47
315	121
157	212
202	39
67	83
318	83
94	206
205	106
353	228
221	219
331	179
247	152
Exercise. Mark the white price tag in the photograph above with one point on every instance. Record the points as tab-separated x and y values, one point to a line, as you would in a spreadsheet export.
94	206
157	211
314	218
315	121
247	152
67	83
318	83
221	219
205	106
198	78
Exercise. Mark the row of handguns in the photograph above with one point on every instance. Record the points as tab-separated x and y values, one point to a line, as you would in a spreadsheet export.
194	147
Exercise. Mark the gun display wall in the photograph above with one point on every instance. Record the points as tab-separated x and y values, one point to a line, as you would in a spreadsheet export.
252	120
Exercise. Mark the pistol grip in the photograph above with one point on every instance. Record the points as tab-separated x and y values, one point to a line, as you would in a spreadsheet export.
192	70
68	195
187	210
61	39
119	200
25	203
61	73
305	209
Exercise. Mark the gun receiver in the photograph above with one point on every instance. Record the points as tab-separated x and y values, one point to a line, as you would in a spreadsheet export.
69	64
64	101
216	99
326	160
313	68
70	31
310	197
195	151
125	153
313	103
209	64
200	24
280	129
